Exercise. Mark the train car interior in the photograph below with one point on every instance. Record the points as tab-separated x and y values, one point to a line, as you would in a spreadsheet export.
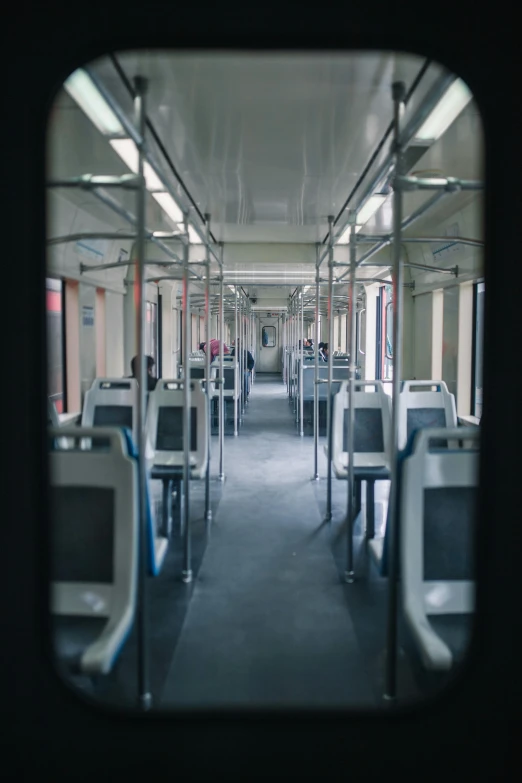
265	307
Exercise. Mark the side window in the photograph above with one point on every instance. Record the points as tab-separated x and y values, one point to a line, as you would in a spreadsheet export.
478	343
269	336
388	346
55	344
151	331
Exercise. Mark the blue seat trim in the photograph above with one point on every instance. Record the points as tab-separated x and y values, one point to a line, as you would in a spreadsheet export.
123	642
402	456
133	452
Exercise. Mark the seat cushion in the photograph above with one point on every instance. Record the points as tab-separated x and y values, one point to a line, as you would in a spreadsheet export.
73	635
454	630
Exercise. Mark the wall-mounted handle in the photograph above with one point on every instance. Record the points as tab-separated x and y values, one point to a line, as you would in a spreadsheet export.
360	312
388	355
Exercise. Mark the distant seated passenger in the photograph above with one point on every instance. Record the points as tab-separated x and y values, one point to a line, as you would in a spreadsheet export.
151	380
323	352
248	359
215	348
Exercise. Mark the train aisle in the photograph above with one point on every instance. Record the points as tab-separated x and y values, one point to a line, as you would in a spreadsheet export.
268	624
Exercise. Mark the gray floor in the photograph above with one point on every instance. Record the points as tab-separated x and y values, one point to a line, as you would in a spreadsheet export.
268	623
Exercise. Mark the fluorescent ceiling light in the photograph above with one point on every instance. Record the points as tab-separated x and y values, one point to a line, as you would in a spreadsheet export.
194	236
128	152
344	239
152	181
168	204
282	278
367	211
452	103
267	272
82	90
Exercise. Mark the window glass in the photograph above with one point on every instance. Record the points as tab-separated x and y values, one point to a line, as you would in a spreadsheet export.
479	333
269	336
55	375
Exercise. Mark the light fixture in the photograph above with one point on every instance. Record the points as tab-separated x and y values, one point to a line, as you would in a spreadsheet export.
81	88
128	152
169	206
276	273
194	236
344	239
367	211
452	103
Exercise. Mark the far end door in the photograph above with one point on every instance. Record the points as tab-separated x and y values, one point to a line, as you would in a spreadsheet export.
268	346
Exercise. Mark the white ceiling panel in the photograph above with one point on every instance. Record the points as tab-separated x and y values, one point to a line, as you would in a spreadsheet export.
273	143
269	145
75	148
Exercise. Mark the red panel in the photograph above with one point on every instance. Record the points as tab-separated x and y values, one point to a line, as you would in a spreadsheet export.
54	302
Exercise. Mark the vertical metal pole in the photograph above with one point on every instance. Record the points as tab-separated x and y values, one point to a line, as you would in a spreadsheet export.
347	331
301	369
253	345
221	374
287	342
316	370
330	368
144	694
245	349
285	377
296	348
208	511
349	574
240	353
243	346
236	402
291	354
187	569
292	350
398	92
297	353
238	357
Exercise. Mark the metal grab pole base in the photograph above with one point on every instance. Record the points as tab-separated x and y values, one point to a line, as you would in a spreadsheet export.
145	701
328	516
208	516
390	700
221	478
186	576
349	577
315	478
